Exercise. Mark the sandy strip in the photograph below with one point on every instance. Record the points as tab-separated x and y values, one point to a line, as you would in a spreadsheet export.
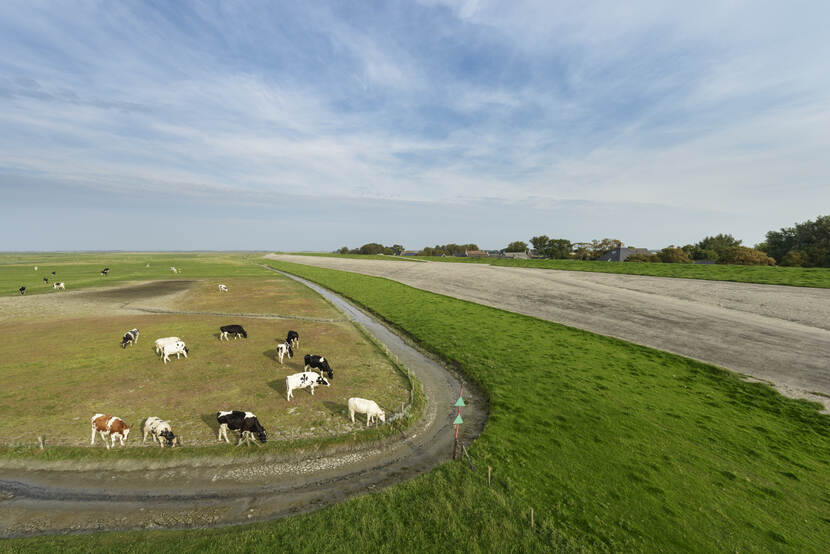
772	333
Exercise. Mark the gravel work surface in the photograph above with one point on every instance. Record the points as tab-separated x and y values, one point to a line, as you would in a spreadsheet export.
71	497
776	334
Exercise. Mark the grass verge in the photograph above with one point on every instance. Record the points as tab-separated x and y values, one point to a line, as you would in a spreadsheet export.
615	446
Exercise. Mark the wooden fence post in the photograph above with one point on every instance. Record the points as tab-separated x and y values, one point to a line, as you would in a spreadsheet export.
531	519
489	469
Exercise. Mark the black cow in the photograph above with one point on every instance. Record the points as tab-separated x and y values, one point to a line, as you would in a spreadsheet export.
293	338
130	337
318	362
232	329
245	422
22	290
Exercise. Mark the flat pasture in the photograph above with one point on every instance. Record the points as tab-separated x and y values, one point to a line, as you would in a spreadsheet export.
64	368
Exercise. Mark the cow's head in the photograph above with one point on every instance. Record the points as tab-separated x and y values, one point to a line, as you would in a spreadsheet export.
382	416
260	433
330	373
126	433
322	381
169	437
187	350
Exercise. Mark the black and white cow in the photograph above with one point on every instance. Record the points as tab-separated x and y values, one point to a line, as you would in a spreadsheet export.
46	280
22	290
130	337
318	362
237	330
160	431
293	338
284	348
302	380
105	271
245	422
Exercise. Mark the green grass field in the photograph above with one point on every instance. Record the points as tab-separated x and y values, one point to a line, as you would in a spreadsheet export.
765	275
83	270
616	447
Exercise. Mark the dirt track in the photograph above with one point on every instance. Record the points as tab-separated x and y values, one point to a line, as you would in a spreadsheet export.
60	497
772	333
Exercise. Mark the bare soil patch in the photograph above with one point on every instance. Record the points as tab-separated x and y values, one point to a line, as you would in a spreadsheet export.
772	333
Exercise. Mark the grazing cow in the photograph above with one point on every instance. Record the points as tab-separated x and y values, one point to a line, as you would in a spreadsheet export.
368	407
46	280
22	291
245	422
53	274
130	337
178	348
35	268
303	380
159	344
107	425
318	362
160	431
173	269
284	348
236	330
59	285
105	271
223	288
293	338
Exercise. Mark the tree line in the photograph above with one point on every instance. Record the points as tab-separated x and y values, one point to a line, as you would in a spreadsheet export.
805	244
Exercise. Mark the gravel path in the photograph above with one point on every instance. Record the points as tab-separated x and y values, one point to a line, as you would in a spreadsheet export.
771	333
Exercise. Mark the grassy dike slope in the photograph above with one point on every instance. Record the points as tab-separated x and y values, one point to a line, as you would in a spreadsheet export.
617	447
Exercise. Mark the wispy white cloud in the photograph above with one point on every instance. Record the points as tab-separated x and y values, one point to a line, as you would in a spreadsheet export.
720	109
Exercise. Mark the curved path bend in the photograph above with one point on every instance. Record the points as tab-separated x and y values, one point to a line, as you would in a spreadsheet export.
772	333
66	497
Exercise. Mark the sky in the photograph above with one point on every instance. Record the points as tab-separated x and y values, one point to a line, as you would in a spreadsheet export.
310	126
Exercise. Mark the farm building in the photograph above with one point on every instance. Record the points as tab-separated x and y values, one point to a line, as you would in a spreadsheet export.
621	254
475	253
517	255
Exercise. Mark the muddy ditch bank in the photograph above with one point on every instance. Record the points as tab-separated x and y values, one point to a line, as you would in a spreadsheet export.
65	497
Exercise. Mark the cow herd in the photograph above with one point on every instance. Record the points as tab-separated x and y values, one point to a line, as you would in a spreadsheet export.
245	423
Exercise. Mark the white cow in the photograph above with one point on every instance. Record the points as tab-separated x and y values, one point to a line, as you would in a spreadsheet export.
159	344
303	380
61	286
223	288
368	407
173	269
178	348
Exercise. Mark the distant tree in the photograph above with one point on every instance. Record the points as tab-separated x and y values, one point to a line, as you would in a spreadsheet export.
343	250
516	246
674	255
540	244
718	244
372	248
558	249
601	247
811	238
743	255
794	258
447	249
397	249
582	251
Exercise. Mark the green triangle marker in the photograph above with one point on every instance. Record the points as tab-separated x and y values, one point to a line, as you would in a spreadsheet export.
459	403
458	420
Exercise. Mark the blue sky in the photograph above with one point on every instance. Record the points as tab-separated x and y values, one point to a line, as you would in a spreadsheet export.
264	125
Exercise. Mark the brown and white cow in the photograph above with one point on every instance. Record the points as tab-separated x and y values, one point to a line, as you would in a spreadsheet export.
107	425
